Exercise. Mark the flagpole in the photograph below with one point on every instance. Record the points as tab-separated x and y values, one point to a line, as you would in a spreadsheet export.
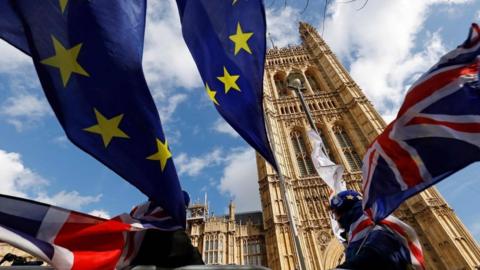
297	86
286	200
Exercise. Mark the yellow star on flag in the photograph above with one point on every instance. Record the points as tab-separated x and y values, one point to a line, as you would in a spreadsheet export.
162	155
349	197
107	128
230	81
211	94
241	40
65	60
63	4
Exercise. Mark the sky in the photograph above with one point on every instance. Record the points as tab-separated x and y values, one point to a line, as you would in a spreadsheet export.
385	46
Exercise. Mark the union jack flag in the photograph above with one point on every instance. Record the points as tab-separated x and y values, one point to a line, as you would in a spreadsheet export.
406	234
73	240
435	134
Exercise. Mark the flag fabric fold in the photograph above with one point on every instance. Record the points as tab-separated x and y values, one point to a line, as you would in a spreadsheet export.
330	172
11	28
88	56
73	240
435	134
406	234
227	39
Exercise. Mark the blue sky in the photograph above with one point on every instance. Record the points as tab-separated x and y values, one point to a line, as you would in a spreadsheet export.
395	41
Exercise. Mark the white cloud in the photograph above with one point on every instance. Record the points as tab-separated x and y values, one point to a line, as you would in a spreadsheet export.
193	166
167	62
24	110
20	181
100	213
170	105
12	59
70	200
281	27
16	179
61	141
240	180
381	40
222	126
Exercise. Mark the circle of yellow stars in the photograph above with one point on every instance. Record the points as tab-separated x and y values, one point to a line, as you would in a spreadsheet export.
65	60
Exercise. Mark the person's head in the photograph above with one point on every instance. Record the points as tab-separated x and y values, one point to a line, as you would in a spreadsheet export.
346	207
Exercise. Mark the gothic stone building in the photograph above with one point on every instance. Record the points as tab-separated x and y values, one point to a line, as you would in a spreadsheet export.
232	239
347	122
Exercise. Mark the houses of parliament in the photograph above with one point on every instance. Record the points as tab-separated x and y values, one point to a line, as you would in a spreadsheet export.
348	123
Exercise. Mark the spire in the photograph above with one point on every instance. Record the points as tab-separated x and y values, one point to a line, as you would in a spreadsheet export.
311	39
231	210
306	28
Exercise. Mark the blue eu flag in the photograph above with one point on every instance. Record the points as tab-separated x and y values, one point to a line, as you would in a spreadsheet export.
11	28
88	56
227	41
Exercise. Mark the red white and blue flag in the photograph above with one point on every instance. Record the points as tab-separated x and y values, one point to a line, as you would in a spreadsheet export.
72	240
364	225
435	134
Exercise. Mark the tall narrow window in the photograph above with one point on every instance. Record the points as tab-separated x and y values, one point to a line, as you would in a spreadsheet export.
304	161
327	147
313	83
282	91
348	150
280	85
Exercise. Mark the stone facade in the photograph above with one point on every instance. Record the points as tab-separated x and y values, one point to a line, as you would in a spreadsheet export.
232	239
348	123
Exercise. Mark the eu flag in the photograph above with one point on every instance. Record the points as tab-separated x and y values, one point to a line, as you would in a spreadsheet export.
227	41
11	28
88	56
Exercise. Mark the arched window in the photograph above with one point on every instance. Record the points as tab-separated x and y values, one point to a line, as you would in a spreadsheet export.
327	147
312	82
296	75
348	150
304	161
280	84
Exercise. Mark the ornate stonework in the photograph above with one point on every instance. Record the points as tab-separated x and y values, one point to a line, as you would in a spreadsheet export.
348	123
232	239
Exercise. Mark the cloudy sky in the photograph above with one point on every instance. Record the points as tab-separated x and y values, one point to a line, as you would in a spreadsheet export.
386	45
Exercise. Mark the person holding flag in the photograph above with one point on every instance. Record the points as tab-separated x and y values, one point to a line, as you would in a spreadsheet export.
391	244
439	118
367	246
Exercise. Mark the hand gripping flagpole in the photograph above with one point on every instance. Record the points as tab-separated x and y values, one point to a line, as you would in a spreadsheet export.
286	199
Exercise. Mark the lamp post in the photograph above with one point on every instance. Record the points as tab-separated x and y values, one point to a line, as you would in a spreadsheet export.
296	84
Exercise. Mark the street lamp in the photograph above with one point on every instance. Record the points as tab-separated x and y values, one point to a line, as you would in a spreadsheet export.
296	85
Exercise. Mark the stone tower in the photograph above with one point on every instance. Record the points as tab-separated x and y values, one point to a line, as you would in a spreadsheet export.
348	123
